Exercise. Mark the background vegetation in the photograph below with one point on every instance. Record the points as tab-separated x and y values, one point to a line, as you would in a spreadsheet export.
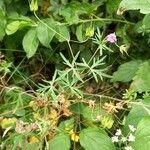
74	74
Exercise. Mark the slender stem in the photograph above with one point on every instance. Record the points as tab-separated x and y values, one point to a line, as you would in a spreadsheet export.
102	19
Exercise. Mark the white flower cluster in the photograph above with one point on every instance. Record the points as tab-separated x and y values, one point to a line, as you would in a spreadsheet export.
118	137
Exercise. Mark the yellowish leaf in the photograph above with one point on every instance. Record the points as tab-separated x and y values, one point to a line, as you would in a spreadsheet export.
33	140
7	122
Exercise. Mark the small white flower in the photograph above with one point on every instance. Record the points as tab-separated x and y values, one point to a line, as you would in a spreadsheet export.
115	139
118	132
131	137
132	128
128	148
123	139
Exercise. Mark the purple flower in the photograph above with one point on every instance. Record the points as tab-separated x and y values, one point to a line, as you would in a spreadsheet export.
111	38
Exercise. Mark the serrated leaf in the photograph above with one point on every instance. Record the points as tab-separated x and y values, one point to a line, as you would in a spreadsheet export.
142	135
30	42
141	82
142	5
95	139
45	34
60	142
126	71
138	111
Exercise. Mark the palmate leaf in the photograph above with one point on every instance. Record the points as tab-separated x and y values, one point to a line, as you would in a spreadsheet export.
95	69
70	84
142	5
95	139
72	67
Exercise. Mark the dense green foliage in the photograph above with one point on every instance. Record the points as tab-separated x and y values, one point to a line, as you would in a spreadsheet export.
74	74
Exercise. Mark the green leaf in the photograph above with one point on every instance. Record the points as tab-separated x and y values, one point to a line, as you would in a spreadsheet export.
77	108
141	82
60	142
66	125
146	21
73	10
62	33
80	33
44	32
30	42
16	25
95	139
138	111
126	71
142	5
112	6
142	135
91	114
2	24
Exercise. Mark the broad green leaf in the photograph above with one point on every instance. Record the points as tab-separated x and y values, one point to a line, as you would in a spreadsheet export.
142	135
72	11
77	108
142	5
138	111
60	142
80	33
146	21
44	32
16	25
141	81
91	114
30	42
62	33
12	27
66	125
95	139
126	71
112	6
2	24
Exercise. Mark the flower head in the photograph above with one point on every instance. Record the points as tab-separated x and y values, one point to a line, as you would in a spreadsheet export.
118	132
123	139
131	137
111	38
132	128
115	139
128	148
